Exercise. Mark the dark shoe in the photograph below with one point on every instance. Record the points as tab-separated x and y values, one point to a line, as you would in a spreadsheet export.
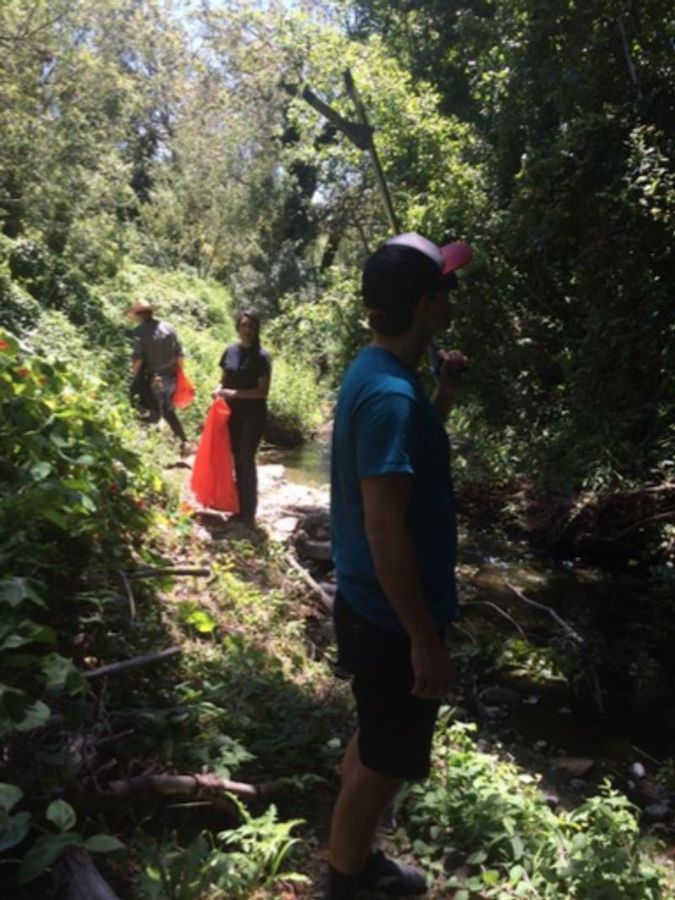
238	519
381	877
343	887
392	878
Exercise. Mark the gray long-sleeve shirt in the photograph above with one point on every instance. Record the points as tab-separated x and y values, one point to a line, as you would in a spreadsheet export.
157	344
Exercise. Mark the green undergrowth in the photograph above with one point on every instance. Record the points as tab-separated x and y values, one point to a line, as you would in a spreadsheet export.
484	827
60	314
82	514
251	697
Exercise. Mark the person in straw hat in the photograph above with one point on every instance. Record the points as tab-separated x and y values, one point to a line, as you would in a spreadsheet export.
155	357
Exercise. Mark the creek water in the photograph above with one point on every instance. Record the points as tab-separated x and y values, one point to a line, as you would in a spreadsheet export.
609	697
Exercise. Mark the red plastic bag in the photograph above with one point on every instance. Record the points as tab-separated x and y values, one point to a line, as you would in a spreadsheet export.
212	480
185	389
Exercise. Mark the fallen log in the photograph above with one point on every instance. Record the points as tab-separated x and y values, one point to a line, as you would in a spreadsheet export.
187	785
134	663
77	878
307	578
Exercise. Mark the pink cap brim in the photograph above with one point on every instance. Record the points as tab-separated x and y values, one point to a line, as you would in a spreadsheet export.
455	256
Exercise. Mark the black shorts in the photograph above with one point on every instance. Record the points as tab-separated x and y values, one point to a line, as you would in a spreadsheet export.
395	728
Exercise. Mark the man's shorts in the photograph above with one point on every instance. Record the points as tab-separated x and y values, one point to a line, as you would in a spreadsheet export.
395	728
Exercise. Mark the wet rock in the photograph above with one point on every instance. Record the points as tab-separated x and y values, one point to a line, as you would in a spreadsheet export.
316	524
573	766
578	784
656	812
286	524
492	712
320	551
552	801
637	771
500	696
271	474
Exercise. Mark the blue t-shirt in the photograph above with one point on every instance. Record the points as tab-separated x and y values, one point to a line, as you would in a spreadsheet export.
385	423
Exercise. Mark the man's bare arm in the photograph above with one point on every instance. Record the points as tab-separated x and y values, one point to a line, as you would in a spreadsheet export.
386	500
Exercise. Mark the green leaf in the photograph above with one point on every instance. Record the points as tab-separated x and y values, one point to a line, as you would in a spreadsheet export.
12	641
478	857
60	673
10	794
36	716
15	590
13	703
61	814
41	470
202	621
491	876
15	830
517	847
43	853
58	518
103	843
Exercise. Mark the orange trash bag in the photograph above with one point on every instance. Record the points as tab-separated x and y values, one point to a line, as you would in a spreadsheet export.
212	480
185	389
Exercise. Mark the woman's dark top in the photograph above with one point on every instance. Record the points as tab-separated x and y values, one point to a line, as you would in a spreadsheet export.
242	367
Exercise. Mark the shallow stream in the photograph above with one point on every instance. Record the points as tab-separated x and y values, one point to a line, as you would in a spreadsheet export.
616	703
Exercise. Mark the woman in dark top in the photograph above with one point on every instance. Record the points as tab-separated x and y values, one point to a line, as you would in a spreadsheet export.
247	370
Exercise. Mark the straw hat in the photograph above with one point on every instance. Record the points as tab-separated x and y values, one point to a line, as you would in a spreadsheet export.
141	306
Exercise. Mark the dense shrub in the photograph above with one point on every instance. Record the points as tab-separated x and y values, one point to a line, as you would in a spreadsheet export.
482	809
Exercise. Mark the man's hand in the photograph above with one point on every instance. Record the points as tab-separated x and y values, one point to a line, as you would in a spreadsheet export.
448	380
453	363
434	675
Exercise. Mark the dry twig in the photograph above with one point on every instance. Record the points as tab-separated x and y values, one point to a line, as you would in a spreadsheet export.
496	609
134	663
307	578
547	609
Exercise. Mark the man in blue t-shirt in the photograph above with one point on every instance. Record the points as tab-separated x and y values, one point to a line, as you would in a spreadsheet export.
394	544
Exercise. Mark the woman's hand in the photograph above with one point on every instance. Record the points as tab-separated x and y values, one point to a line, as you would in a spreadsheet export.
225	393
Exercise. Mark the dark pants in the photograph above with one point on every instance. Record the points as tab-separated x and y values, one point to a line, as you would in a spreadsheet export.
247	423
163	387
395	728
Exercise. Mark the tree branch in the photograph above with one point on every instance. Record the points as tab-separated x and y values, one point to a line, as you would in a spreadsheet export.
314	585
135	663
188	785
554	615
